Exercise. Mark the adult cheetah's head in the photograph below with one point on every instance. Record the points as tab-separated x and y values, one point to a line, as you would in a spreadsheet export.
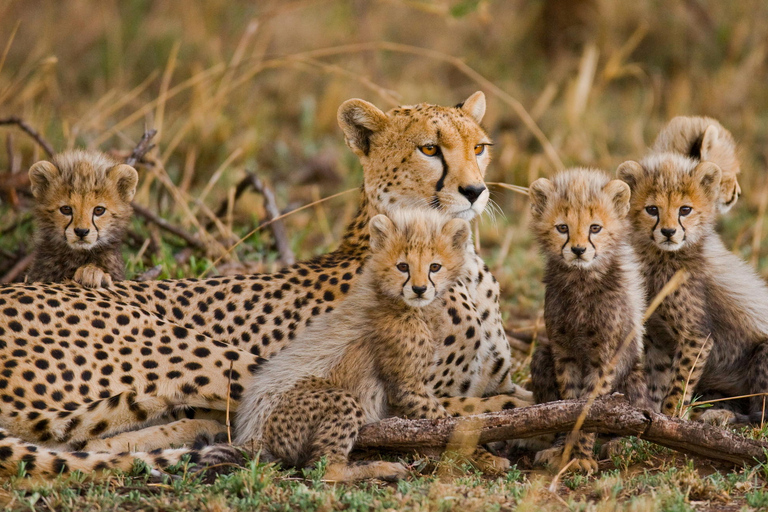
421	156
674	199
82	198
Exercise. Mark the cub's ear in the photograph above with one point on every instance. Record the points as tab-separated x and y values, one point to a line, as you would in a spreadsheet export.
539	191
629	172
709	140
40	176
359	120
124	178
457	231
381	228
619	193
708	175
474	106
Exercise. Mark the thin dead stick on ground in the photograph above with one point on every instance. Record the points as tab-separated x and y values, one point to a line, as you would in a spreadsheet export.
269	222
672	285
26	128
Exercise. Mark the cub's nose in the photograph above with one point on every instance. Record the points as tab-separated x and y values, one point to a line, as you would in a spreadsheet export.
578	251
82	232
472	192
419	290
668	232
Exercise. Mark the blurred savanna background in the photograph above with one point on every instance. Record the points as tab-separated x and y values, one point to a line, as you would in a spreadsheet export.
234	88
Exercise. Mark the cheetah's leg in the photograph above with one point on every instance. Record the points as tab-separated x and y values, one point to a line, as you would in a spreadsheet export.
691	358
758	383
179	433
658	369
310	424
466	405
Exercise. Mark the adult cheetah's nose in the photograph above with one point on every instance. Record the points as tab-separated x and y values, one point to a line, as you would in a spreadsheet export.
82	232
668	232
472	192
419	290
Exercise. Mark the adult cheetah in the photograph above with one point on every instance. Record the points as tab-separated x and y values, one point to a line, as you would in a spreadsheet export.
80	365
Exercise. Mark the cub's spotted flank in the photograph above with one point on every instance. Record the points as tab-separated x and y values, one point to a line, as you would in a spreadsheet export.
81	365
594	298
705	140
82	209
709	336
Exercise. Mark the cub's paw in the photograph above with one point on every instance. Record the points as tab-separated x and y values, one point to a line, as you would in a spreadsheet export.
719	417
92	276
613	448
549	458
490	464
672	407
583	464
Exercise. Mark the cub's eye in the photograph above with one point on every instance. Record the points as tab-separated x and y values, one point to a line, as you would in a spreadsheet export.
99	211
652	210
402	267
685	210
479	149
66	210
429	150
562	228
595	228
435	267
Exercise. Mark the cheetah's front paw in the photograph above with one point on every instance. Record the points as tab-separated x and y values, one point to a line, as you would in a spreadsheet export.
583	464
490	464
549	458
92	276
719	417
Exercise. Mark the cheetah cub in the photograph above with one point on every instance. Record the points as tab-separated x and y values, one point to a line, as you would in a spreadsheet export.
365	361
704	139
709	336
82	209
594	298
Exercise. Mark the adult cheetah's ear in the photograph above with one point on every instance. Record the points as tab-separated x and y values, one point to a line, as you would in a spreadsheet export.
539	192
474	106
359	120
708	141
381	228
124	178
629	172
40	176
619	193
709	176
457	231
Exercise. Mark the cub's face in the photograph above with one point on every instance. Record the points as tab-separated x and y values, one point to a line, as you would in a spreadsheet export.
417	259
422	156
674	200
81	206
578	216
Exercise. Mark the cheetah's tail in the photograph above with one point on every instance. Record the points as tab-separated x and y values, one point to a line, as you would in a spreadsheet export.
42	462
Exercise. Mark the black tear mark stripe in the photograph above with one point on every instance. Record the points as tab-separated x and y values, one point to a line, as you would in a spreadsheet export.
567	239
71	219
441	181
589	238
653	230
429	276
680	221
406	281
93	222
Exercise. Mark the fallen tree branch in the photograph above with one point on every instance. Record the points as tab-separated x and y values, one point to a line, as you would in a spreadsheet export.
31	132
150	274
608	415
17	269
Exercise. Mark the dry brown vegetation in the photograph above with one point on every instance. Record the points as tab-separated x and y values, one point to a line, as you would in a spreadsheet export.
254	86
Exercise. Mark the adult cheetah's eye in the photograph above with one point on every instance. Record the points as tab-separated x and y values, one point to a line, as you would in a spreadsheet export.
429	150
652	210
562	228
435	267
66	210
402	267
685	210
99	211
595	228
480	149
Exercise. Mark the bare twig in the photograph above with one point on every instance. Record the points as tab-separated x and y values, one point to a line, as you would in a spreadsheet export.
17	269
31	132
149	215
273	215
607	415
142	148
149	274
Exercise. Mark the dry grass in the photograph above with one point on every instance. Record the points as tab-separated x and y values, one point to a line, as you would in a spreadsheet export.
255	86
